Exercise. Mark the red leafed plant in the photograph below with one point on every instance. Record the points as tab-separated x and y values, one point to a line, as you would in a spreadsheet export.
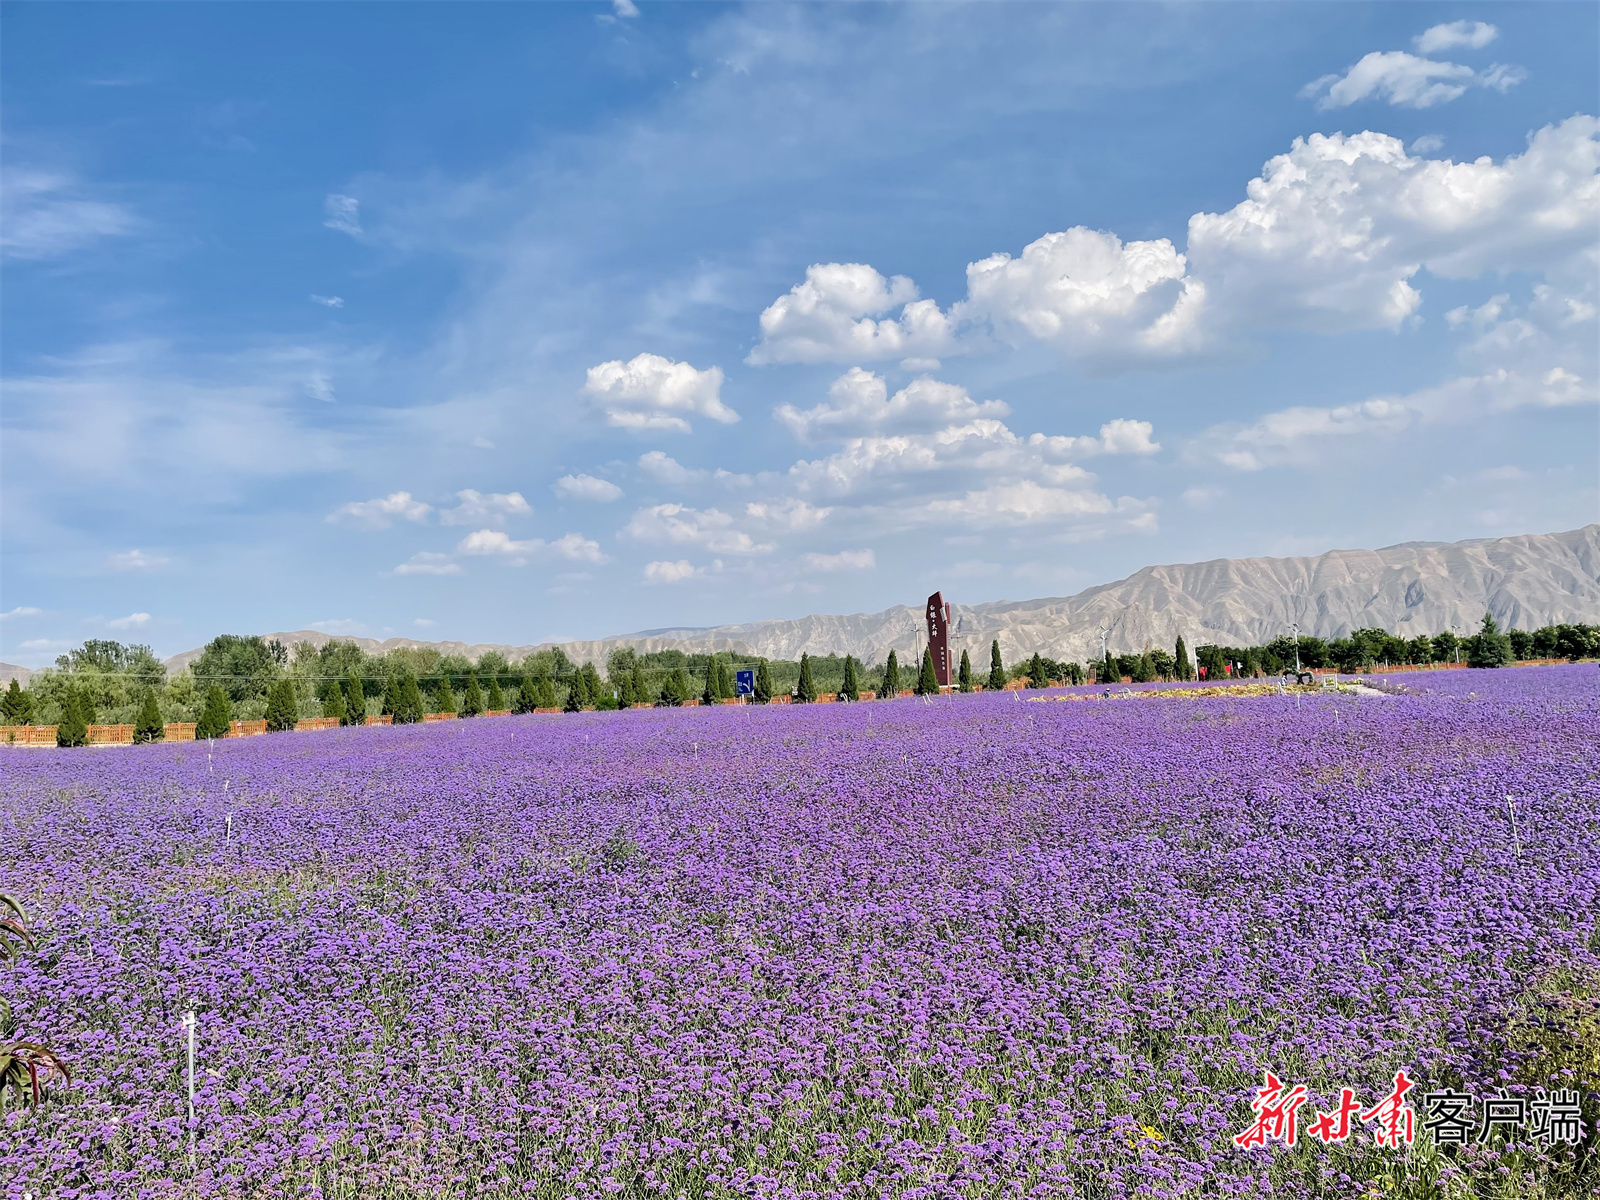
22	1064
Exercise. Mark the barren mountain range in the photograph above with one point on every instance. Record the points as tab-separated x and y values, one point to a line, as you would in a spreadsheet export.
1416	587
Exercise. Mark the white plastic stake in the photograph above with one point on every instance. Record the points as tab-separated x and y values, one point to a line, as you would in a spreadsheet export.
1516	842
229	836
189	1023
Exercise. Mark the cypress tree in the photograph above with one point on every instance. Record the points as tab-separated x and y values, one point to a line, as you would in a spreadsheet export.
524	698
355	700
394	697
546	692
1489	647
1144	671
805	691
11	705
1036	672
333	707
74	727
410	712
497	698
593	688
641	686
574	695
625	696
964	674
997	670
708	694
927	677
681	689
444	699
149	727
216	716
1181	657
472	699
763	693
852	681
282	710
890	687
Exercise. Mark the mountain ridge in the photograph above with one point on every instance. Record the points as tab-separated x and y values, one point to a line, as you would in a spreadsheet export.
1524	581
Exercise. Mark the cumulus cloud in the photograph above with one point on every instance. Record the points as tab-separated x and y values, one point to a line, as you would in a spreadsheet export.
342	213
381	512
1406	81
1329	238
831	316
328	301
625	8
711	529
652	392
138	560
670	572
131	621
859	401
427	563
845	560
587	488
474	507
46	214
494	543
788	515
1457	35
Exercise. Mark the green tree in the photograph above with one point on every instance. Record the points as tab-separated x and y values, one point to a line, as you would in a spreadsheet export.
1488	647
393	696
574	695
444	700
73	728
964	675
241	666
851	688
410	708
17	706
1446	647
763	692
355	700
710	693
282	711
472	700
1182	669
641	686
333	707
927	677
593	688
217	716
149	727
805	691
497	698
1144	670
1037	677
997	670
524	697
889	688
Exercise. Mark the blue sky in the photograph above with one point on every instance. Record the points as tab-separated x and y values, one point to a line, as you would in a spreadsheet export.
518	322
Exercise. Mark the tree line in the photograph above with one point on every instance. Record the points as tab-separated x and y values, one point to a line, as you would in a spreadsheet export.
250	678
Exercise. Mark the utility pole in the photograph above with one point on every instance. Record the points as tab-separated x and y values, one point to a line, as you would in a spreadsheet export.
1294	628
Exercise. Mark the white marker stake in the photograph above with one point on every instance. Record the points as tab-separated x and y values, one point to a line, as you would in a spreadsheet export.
229	836
188	1023
1511	807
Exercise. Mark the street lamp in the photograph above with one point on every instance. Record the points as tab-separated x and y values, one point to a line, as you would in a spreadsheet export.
1294	628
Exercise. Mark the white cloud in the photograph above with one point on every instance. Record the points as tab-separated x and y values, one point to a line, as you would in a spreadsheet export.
1457	35
625	8
1025	502
1202	497
788	515
328	301
830	317
44	214
650	392
130	621
475	507
1427	143
1406	81
320	386
845	560
19	611
424	622
378	513
587	487
1329	238
859	401
670	572
711	529
663	468
493	543
1085	291
427	563
342	213
138	560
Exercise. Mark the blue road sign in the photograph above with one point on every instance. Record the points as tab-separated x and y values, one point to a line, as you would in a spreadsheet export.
744	683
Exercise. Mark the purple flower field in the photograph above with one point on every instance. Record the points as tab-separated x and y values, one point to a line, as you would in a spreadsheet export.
967	948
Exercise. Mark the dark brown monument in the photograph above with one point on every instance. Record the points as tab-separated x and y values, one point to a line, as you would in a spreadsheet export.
939	638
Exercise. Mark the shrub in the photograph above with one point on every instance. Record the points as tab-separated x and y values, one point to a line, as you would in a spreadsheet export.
472	698
927	677
149	727
283	711
217	715
73	729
